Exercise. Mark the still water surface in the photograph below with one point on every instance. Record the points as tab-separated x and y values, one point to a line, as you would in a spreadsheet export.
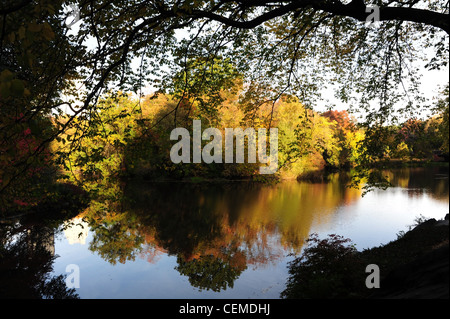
233	240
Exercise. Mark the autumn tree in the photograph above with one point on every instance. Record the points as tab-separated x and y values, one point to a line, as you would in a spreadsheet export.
295	47
442	108
346	132
37	65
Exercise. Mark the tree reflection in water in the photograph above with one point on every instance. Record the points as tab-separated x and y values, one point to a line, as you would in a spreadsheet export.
27	253
216	230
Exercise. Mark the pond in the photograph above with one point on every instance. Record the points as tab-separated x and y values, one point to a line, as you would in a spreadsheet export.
215	240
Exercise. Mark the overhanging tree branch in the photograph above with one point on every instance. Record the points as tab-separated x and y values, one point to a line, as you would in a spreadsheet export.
355	9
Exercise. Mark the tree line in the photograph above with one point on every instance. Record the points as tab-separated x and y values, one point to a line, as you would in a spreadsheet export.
55	76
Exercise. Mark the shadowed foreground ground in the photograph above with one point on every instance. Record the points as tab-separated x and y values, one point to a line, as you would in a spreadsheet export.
417	264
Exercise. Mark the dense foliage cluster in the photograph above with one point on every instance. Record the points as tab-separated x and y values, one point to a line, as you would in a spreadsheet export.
64	62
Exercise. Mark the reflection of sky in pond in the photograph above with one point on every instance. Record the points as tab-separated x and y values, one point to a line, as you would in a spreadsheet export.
269	225
141	279
380	215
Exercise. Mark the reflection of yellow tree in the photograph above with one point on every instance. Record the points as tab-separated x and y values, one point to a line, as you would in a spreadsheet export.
193	221
400	178
434	179
291	208
150	250
225	227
